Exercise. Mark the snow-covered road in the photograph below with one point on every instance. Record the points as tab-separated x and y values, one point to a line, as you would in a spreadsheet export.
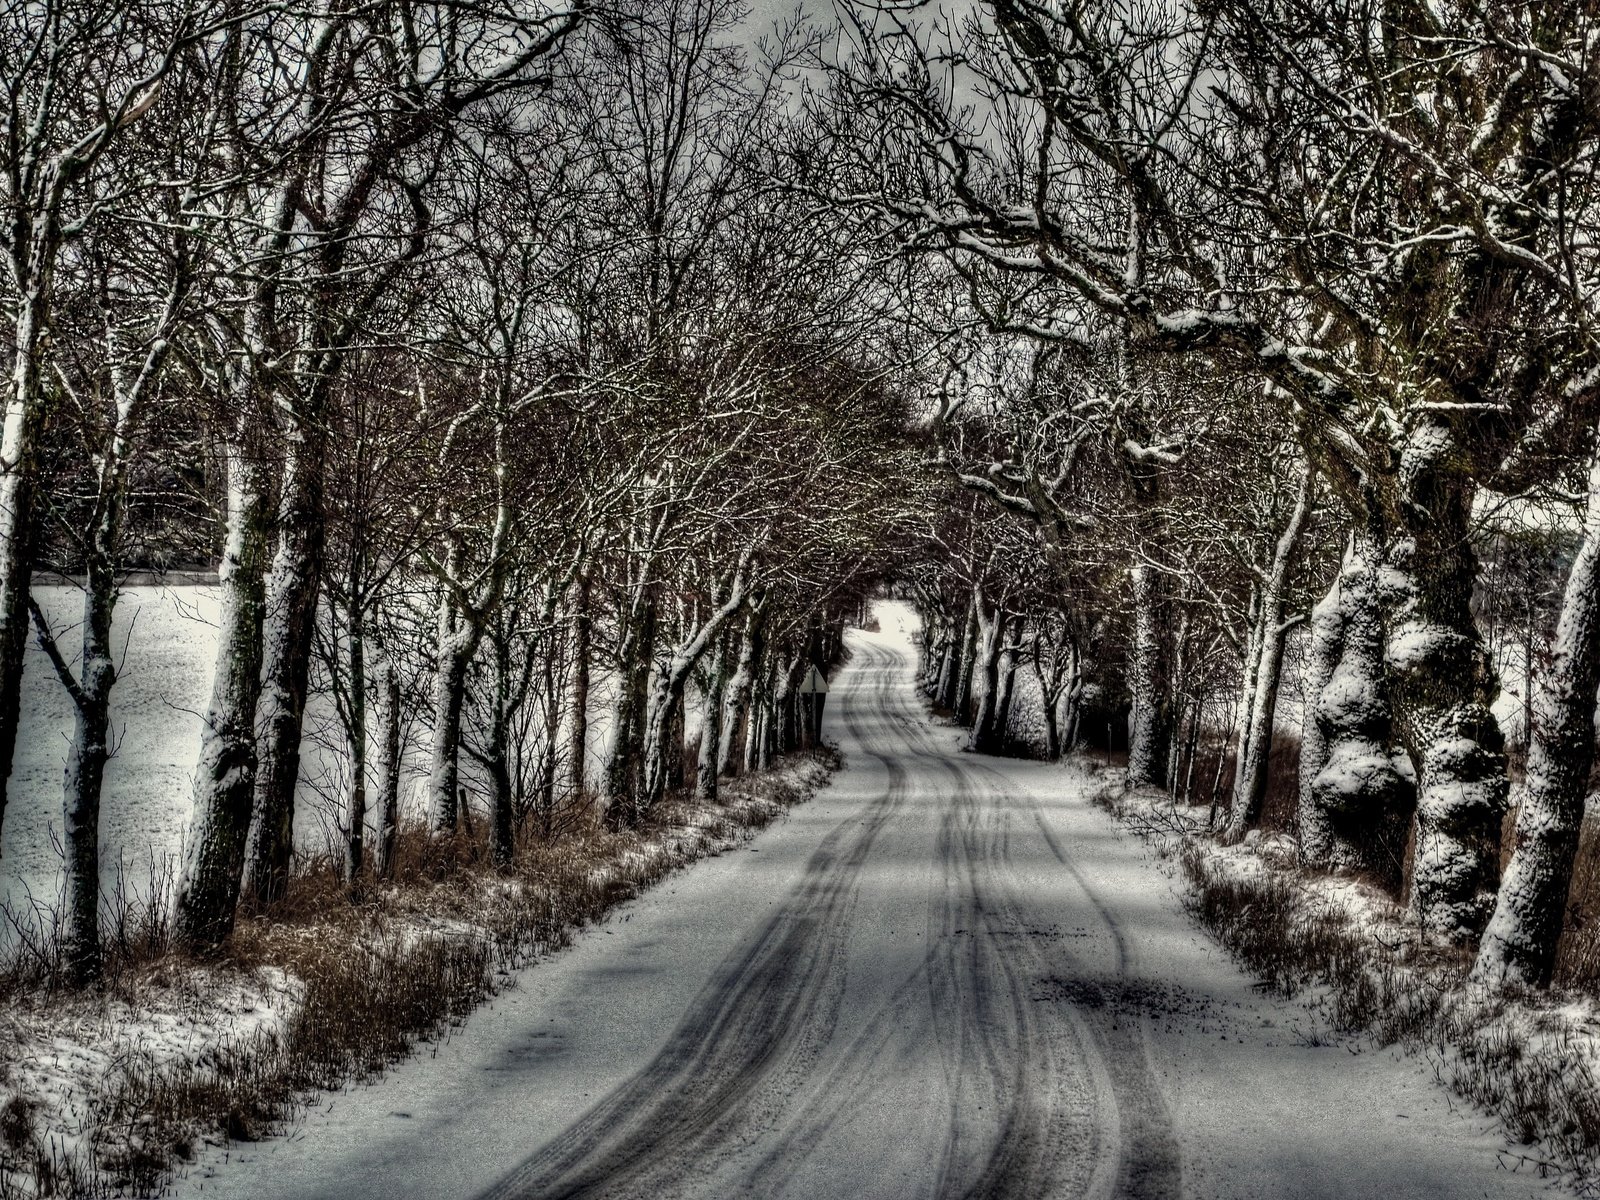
945	976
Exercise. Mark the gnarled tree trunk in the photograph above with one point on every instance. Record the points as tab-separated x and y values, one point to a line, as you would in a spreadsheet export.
1441	685
1354	808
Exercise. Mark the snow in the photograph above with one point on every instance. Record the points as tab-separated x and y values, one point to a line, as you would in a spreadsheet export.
170	638
945	972
57	1052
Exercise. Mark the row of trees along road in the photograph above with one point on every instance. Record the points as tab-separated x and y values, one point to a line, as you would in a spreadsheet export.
1220	284
497	351
470	339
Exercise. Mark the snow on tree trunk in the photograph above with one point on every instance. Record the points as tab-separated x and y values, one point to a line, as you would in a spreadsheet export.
1008	683
208	888
961	701
1074	706
1147	722
1322	659
763	721
709	768
19	479
86	762
738	711
1441	686
985	739
663	724
91	690
287	635
786	710
455	649
1519	944
1353	809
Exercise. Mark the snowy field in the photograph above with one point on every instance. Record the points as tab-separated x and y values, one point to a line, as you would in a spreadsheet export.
169	636
169	639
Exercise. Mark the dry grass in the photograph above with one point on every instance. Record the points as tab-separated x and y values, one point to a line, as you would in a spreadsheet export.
377	974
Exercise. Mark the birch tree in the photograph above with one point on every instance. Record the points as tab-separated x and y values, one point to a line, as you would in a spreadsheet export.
74	79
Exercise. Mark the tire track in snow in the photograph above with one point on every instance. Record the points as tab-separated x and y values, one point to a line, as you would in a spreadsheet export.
1138	1135
762	1006
1043	1098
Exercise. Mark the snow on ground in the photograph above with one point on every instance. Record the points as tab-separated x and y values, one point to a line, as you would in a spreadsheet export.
57	1053
945	975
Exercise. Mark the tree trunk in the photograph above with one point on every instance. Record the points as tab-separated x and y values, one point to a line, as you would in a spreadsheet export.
761	723
449	695
208	888
356	811
19	481
1074	701
502	801
389	767
711	740
1353	809
984	737
634	666
288	632
737	712
1147	722
1519	944
550	745
1052	732
1322	659
1269	638
961	702
84	777
1442	685
578	730
955	657
787	710
657	742
85	774
1008	683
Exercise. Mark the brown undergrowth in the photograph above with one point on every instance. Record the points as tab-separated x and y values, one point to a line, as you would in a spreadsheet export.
1531	1060
336	989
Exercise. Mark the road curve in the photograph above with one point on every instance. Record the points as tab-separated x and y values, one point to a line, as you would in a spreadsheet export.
953	978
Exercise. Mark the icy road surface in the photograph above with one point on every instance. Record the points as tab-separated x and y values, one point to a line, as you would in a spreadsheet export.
947	976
